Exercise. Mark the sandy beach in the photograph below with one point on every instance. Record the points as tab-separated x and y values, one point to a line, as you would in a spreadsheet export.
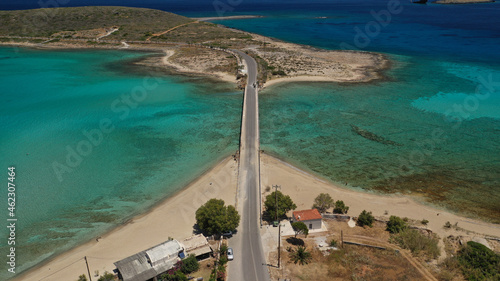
303	188
175	217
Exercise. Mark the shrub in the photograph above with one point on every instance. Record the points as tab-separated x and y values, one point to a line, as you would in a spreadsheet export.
333	243
365	218
279	73
447	225
323	202
424	222
479	263
223	249
190	265
82	277
417	243
340	207
396	225
107	277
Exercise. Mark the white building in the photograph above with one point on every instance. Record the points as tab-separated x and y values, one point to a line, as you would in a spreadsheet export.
311	218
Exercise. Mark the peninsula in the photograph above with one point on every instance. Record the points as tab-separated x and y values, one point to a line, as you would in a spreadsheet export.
194	47
189	46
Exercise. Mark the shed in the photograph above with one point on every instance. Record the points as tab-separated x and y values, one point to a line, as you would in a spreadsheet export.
151	262
198	246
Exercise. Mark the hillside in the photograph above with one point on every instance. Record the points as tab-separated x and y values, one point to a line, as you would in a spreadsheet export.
134	23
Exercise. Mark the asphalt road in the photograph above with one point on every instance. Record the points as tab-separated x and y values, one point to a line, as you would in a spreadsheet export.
249	262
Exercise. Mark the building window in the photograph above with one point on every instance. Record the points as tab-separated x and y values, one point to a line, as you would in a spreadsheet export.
310	226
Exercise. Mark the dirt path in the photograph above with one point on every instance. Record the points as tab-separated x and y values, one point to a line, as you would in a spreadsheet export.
167	31
416	264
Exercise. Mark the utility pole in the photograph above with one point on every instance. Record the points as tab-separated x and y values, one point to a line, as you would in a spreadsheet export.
276	198
279	245
88	270
279	224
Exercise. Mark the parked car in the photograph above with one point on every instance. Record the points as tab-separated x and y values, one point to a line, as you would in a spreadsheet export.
230	255
228	234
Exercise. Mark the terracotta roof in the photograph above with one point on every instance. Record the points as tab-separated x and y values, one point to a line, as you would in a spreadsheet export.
306	215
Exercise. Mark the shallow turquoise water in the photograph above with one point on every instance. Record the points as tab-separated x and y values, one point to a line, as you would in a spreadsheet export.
160	133
414	144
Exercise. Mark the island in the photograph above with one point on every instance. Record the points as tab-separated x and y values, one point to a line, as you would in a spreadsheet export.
463	1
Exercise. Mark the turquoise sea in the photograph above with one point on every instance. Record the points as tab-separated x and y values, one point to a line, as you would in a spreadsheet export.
430	128
95	141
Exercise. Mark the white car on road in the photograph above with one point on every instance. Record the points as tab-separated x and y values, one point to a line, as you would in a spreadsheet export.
230	255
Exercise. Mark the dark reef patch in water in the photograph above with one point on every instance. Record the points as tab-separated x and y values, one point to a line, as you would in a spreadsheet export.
373	137
449	189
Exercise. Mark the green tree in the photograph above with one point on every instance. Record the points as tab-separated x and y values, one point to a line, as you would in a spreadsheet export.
365	218
82	277
215	218
301	256
300	228
285	204
190	265
323	202
107	277
396	225
340	207
479	263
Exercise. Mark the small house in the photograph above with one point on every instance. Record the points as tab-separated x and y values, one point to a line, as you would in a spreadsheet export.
311	218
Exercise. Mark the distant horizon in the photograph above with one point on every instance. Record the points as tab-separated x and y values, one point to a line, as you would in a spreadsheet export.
178	5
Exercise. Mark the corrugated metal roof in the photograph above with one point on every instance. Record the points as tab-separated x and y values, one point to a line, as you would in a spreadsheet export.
151	262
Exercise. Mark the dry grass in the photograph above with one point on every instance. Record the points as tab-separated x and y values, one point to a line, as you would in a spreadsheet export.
208	33
348	263
134	23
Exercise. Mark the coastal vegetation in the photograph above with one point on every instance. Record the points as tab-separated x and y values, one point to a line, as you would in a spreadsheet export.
216	218
83	22
277	205
472	261
365	218
323	202
340	207
396	225
478	262
418	243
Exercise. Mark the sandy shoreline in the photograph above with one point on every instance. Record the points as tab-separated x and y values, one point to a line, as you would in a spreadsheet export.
175	216
304	187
